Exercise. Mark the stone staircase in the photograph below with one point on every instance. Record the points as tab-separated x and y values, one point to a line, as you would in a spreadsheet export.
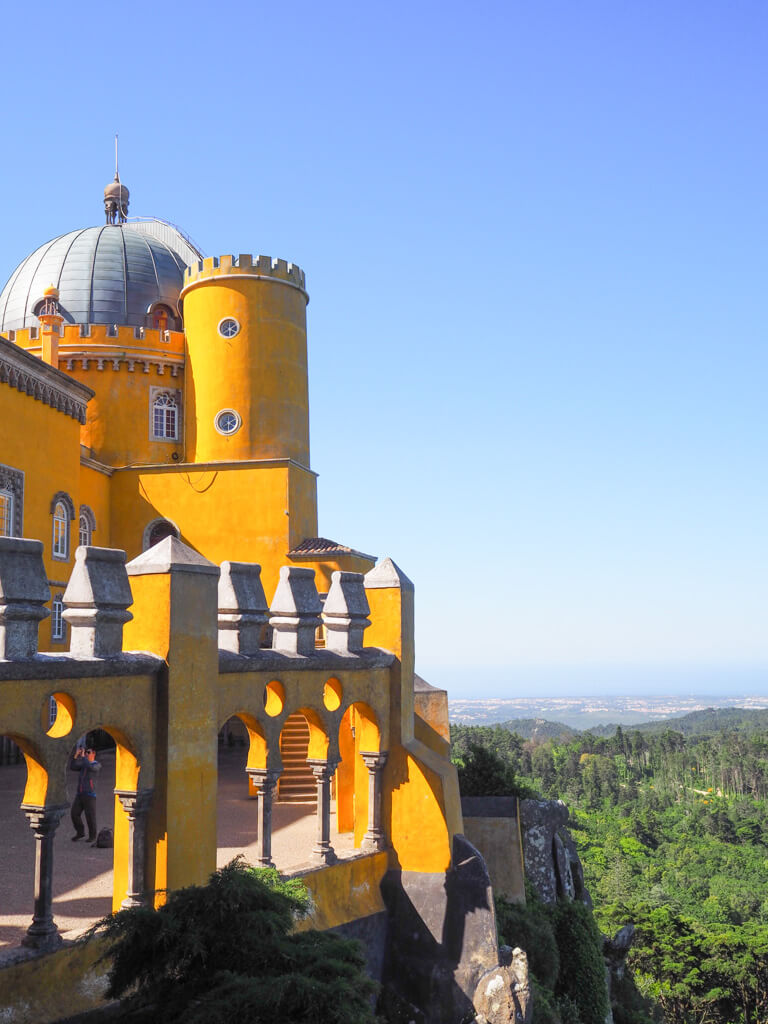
296	784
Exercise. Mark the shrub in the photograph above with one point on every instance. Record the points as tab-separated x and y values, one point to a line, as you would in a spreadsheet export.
225	951
482	772
582	970
529	927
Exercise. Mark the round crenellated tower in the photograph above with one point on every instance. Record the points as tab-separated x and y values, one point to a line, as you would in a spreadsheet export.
246	379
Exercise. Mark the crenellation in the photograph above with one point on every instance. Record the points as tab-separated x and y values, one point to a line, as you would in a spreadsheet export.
246	264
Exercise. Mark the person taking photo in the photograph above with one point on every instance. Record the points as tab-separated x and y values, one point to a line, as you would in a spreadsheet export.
84	761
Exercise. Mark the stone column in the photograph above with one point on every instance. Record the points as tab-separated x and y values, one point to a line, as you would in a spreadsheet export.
136	805
266	780
374	839
43	934
322	851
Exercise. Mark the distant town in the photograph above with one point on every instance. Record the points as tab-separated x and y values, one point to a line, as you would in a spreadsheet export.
587	712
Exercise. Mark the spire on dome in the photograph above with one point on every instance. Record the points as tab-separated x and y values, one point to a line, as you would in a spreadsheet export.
116	197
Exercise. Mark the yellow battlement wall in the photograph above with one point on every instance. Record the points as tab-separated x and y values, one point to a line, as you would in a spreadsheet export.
105	341
245	263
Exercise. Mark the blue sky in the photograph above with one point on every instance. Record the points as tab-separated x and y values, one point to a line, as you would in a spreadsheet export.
534	238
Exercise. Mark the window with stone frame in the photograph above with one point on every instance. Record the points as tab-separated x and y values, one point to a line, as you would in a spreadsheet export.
63	513
11	502
86	526
6	514
58	626
165	415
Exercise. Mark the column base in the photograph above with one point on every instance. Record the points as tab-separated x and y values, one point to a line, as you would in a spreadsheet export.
324	856
135	900
43	938
373	843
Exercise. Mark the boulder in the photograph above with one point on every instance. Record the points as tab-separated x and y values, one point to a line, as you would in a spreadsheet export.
503	994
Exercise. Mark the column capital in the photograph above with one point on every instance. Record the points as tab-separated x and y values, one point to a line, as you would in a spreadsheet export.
322	769
44	820
266	777
135	801
374	760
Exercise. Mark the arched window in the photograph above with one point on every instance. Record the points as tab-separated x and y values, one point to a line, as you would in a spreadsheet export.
58	628
165	417
60	531
11	502
6	514
161	318
63	512
87	526
158	530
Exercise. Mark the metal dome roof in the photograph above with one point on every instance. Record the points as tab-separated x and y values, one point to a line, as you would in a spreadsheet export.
110	274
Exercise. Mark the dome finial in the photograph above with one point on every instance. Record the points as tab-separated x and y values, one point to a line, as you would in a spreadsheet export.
116	197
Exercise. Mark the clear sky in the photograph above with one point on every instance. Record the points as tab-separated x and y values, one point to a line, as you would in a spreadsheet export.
534	238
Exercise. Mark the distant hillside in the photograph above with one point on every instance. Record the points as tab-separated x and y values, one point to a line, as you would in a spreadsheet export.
540	729
696	723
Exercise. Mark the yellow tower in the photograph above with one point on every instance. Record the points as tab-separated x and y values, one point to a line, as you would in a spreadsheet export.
246	378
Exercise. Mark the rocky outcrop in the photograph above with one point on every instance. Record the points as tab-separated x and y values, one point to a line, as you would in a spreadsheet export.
540	821
552	862
442	955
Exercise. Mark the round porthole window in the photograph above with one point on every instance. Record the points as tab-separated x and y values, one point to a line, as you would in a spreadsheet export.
229	327
227	421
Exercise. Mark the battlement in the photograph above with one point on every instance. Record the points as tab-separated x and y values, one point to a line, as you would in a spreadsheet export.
112	336
247	265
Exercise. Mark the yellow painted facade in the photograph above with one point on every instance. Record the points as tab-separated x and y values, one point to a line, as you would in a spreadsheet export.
202	434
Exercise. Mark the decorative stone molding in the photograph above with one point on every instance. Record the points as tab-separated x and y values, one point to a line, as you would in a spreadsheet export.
174	367
96	600
345	612
66	501
295	611
35	378
24	592
243	608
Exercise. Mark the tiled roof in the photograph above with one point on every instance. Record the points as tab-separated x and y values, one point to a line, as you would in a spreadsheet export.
323	546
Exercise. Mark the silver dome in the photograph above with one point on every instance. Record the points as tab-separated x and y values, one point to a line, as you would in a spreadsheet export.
111	274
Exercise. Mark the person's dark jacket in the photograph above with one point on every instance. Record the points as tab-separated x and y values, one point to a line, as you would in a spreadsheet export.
86	784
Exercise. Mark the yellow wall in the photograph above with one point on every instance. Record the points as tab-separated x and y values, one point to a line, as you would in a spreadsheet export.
224	512
499	842
432	707
261	373
50	988
345	892
175	618
95	493
117	429
44	444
